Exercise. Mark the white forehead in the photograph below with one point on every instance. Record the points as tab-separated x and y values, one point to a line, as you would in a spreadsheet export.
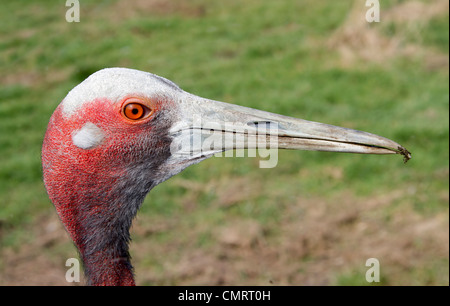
114	84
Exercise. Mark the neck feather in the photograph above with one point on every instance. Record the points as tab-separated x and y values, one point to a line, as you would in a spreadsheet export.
98	216
109	266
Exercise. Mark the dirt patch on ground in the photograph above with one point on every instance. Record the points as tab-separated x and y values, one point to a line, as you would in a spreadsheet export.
39	261
129	9
315	242
34	78
357	40
414	11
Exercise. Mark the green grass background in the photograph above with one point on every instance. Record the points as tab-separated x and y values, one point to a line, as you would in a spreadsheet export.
270	55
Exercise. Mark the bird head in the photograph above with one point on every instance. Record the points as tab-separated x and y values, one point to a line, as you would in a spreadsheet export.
121	132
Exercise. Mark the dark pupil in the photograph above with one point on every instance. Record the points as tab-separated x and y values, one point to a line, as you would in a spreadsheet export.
135	111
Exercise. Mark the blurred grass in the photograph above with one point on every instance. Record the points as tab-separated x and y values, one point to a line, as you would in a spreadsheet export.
271	55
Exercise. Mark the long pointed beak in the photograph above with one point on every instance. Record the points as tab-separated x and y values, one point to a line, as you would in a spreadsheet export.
208	127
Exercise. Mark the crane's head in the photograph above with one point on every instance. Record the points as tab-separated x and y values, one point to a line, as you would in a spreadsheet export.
121	132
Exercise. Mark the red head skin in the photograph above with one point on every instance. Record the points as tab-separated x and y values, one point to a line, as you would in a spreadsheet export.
97	191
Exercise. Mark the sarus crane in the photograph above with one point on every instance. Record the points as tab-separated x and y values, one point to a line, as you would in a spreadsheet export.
121	132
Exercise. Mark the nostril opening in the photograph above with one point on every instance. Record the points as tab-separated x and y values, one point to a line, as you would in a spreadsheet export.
267	125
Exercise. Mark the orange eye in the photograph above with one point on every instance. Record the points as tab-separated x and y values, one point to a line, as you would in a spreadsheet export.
135	111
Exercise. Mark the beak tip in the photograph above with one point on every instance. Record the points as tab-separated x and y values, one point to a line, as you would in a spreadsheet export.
406	154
